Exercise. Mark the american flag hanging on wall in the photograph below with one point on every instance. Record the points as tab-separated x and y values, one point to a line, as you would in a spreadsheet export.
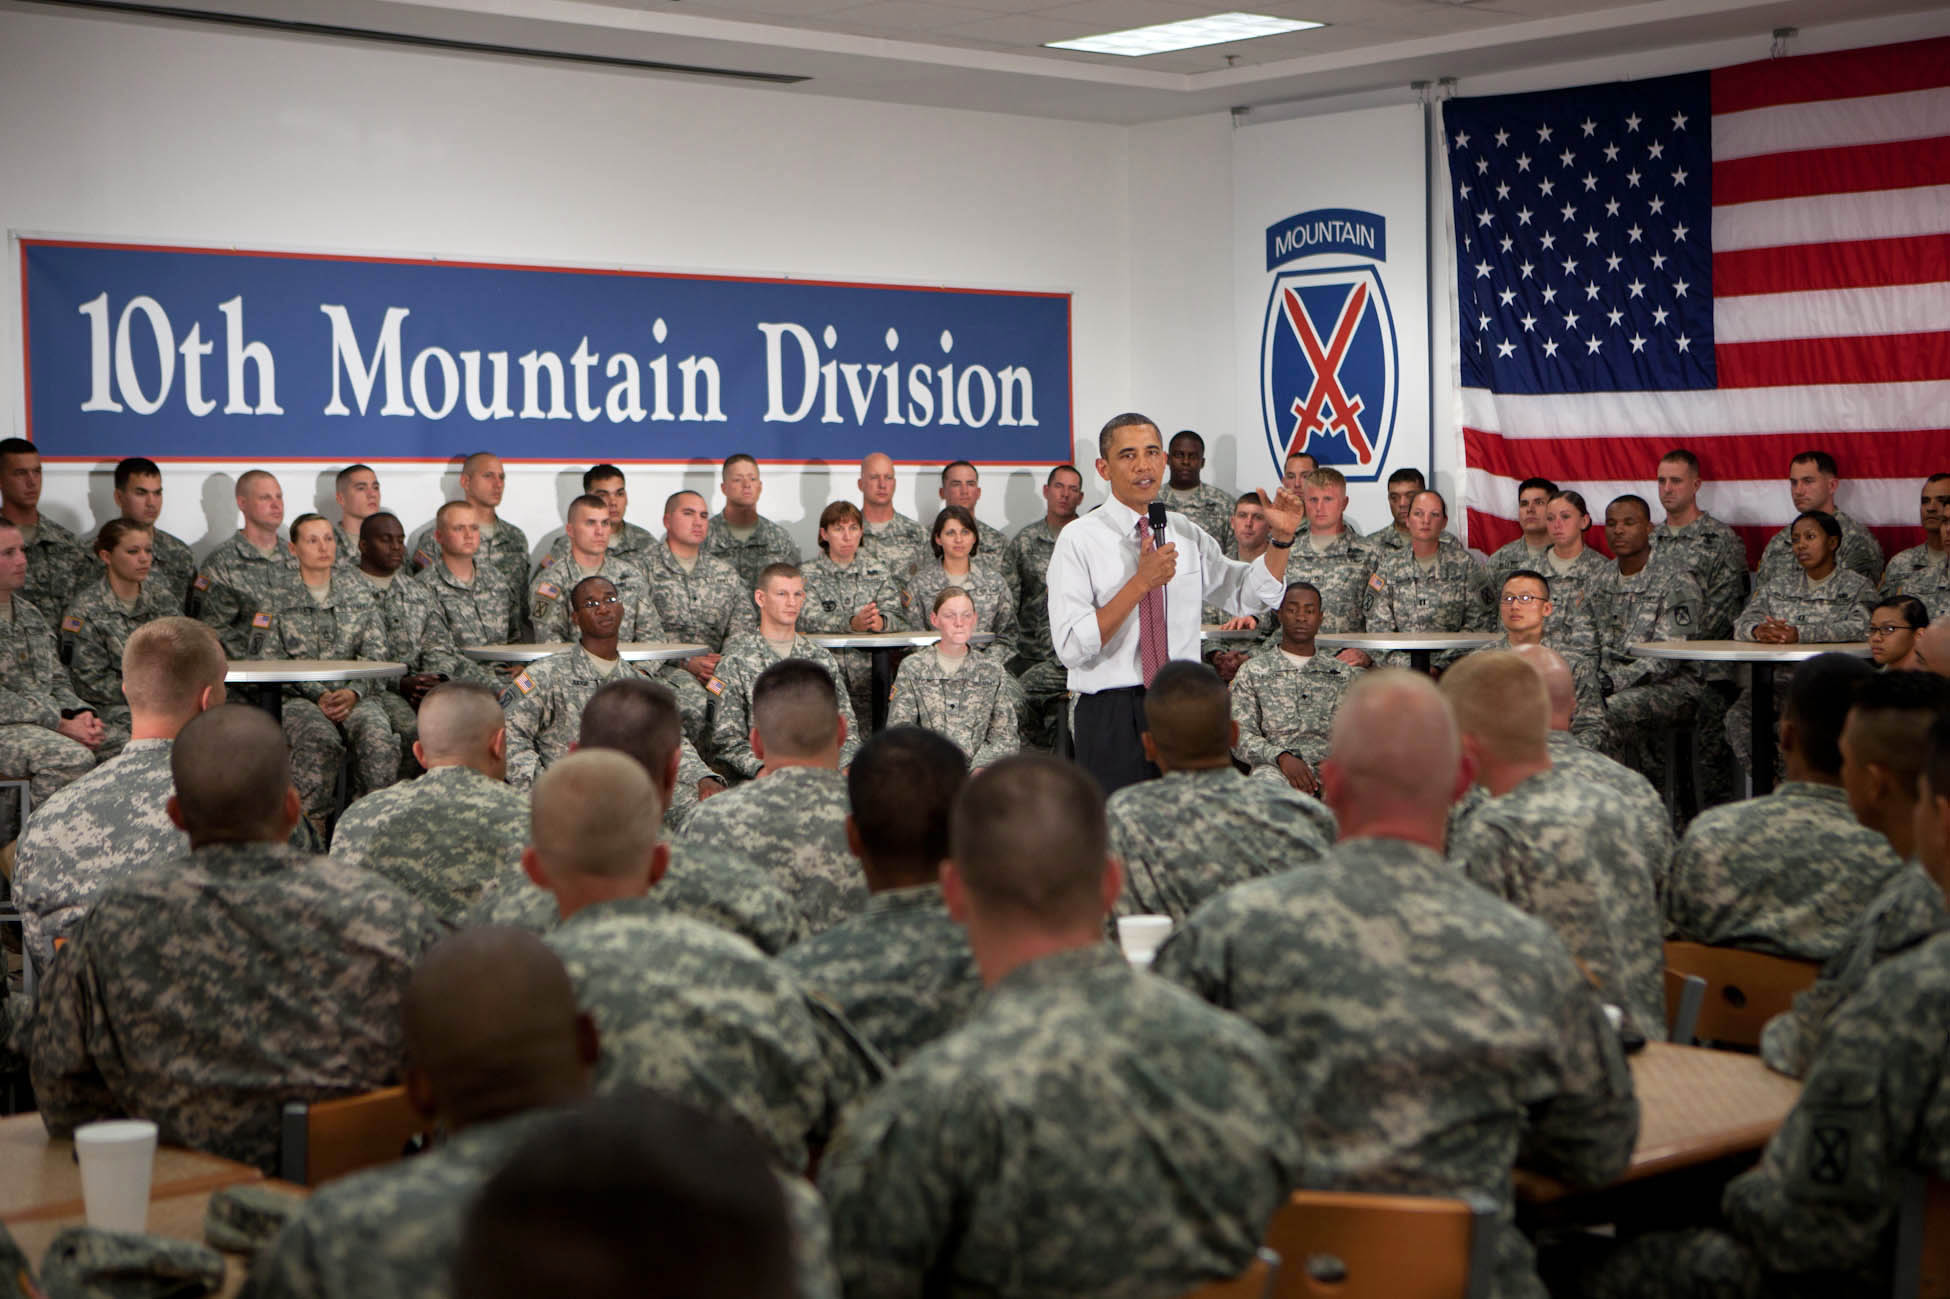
1747	263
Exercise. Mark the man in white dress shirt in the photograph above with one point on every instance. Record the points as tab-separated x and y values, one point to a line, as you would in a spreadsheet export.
1121	606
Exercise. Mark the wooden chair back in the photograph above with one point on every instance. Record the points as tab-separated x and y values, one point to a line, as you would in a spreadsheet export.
1351	1245
1743	989
1256	1282
1923	1239
329	1139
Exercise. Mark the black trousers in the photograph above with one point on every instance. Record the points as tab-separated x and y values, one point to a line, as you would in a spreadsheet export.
1108	724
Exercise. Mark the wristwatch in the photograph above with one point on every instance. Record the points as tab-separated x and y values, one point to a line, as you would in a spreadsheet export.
1282	545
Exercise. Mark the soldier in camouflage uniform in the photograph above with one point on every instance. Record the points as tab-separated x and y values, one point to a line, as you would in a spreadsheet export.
1330	557
102	617
893	540
1201	827
847	593
1025	567
1428	587
404	614
139	499
1021	1153
966	697
954	546
1531	545
1284	702
1812	478
503	546
779	599
1523	608
356	489
242	578
1553	846
701	601
1203	503
1403	487
46	733
469	603
1924	571
58	565
1654	599
549	584
1250	538
900	971
962	485
1438	1035
627	541
1584	583
1705	547
792	819
206	994
544	702
739	534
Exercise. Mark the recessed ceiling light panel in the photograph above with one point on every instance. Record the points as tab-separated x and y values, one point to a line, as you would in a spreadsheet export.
1188	34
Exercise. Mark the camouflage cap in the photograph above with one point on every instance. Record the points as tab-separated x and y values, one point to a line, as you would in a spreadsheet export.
244	1219
84	1263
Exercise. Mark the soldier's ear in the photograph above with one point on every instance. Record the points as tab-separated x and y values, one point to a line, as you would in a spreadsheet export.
954	894
175	812
531	866
1151	746
659	862
854	844
497	744
758	746
1111	884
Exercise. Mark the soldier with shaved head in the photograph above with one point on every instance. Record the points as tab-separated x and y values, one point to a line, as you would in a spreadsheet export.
892	540
700	599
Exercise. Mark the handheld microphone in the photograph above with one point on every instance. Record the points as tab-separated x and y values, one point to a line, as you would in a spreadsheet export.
1157	517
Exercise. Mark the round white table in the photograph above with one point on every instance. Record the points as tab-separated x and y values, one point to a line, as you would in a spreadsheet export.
640	651
1758	662
882	644
1421	645
264	679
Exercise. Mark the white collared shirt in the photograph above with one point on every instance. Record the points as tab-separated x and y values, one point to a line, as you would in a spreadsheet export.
1098	554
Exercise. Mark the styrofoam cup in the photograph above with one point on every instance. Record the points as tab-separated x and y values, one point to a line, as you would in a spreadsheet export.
117	1158
1141	936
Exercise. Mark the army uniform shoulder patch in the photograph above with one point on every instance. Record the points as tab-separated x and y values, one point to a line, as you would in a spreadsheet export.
523	684
548	591
715	686
260	620
1376	582
71	623
202	582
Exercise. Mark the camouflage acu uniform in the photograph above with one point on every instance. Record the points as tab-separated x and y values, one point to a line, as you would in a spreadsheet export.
1833	609
706	606
1581	602
482	611
630	544
1646	698
1923	573
164	1007
1455	595
347	626
1560	850
1090	1132
346	546
1045	681
1787	874
745	656
1588	722
1513	555
895	545
695	1013
1716	557
1282	707
792	822
404	611
544	704
441	838
900	971
503	547
1438	1035
1208	506
1389	538
239	582
1633	793
1861	553
33	694
173	569
768	544
995	606
94	632
1191	834
1909	909
58	566
975	706
1341	572
834	593
550	587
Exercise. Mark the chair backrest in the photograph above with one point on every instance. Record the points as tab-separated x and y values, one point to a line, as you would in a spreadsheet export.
1922	1269
329	1139
1685	994
1350	1245
1743	989
1256	1282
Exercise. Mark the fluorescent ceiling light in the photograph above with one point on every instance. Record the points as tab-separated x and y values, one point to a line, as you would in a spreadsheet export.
1189	34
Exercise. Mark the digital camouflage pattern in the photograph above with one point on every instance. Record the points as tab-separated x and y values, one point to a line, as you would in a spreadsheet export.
1787	874
1588	720
483	611
1025	567
1832	610
404	611
812	1239
1581	603
1861	553
440	838
1716	557
1282	707
1090	1132
1560	850
94	632
896	545
1437	1035
706	606
1645	699
92	1263
1189	835
1513	555
58	566
237	583
900	971
792	823
995	605
167	1006
767	544
551	585
834	593
975	706
1389	538
1923	573
1634	794
544	704
1208	506
173	569
700	1015
746	655
503	547
1341	573
34	692
1454	595
347	626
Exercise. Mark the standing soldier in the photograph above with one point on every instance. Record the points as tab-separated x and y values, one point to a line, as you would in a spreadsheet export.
700	600
57	564
1924	571
627	541
1204	504
588	533
241	578
504	546
962	485
1403	485
1527	551
1025	567
957	559
893	539
139	499
357	492
1812	481
1331	558
739	534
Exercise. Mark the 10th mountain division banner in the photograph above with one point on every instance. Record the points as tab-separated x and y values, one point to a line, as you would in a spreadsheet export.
218	355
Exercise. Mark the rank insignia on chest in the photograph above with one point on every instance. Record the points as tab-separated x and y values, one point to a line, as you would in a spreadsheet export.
260	620
71	623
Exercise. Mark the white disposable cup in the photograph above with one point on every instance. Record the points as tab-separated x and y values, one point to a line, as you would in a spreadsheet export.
117	1158
1141	936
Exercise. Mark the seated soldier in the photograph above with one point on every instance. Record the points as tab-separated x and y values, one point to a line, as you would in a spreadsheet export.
1552	845
205	994
779	598
792	819
900	971
46	733
956	556
1790	873
848	593
445	836
1091	1131
739	534
404	612
544	702
495	1048
683	1008
243	575
1653	599
1201	827
700	600
949	689
1524	607
1250	537
104	613
139	499
588	533
1439	1036
1896	624
1427	586
469	603
1284	703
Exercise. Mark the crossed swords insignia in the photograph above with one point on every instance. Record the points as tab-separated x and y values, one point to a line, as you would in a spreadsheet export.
1326	361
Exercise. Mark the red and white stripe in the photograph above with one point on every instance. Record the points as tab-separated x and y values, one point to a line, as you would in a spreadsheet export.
1831	271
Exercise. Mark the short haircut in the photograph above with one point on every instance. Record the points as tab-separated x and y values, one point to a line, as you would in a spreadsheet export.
1439	499
780	569
1028	838
838	512
969	465
17	447
1574	497
1326	477
595	813
305	518
587	502
1401	476
231	770
1935	478
167	663
670	501
1911	608
1632	498
1818	699
1681	456
1548	487
795	708
379	518
599	474
134	467
575	592
960	514
1129	419
735	458
440	515
1893	713
459	718
1291	587
347	472
901	788
1187	433
1064	469
1821	460
948	593
634	1196
1530	575
249	476
475	460
1828	523
1246	498
114	530
636	716
1937	762
1500	701
1188	711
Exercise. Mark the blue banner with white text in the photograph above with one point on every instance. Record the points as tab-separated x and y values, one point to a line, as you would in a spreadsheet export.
181	353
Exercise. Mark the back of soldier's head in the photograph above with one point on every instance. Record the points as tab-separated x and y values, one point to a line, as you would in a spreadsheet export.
1028	840
231	770
1188	712
795	709
458	721
635	716
901	790
595	813
631	1197
1889	722
1394	746
1818	700
1501	704
168	663
1932	811
1560	687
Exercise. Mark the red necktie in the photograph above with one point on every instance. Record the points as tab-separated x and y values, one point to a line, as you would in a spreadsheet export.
1154	643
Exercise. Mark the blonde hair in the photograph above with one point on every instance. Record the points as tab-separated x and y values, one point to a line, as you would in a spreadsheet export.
1501	702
